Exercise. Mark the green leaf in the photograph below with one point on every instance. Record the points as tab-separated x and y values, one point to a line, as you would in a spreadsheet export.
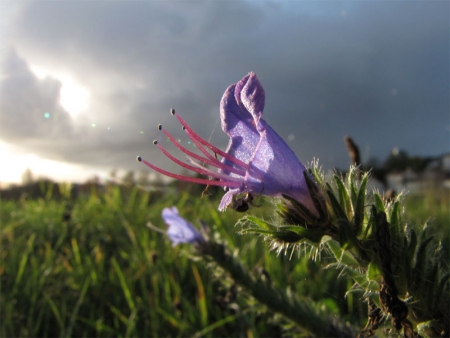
338	211
360	201
258	222
430	281
330	305
347	237
367	229
362	281
285	236
412	243
374	272
344	199
379	202
351	184
441	287
395	221
420	261
342	256
317	197
302	210
315	172
314	235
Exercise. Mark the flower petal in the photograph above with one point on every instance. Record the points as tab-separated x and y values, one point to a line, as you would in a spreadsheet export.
238	123
250	94
274	168
283	171
180	230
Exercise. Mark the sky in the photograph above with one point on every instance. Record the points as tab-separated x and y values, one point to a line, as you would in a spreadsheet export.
84	84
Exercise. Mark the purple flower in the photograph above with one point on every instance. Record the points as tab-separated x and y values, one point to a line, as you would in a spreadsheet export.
180	230
257	159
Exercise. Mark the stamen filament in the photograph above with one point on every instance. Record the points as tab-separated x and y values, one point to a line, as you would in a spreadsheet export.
193	136
200	146
198	168
214	162
230	184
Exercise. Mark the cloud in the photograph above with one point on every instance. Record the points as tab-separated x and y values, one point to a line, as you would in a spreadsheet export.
30	108
376	71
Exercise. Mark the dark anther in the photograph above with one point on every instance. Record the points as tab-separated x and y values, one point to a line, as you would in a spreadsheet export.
172	111
155	142
183	128
159	126
139	159
243	204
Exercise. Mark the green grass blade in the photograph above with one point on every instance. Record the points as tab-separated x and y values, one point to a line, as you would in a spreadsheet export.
76	253
201	298
123	284
78	304
55	311
23	263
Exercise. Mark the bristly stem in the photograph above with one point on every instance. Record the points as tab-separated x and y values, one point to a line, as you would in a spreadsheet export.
300	312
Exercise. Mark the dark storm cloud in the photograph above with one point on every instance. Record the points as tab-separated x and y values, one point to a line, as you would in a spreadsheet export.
375	71
32	117
29	105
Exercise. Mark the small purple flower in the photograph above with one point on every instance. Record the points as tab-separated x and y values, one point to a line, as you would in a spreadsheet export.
180	230
257	159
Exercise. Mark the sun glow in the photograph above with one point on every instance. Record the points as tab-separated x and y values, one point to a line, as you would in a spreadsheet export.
72	96
19	161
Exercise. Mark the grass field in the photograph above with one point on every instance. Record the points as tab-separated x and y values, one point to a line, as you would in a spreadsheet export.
90	267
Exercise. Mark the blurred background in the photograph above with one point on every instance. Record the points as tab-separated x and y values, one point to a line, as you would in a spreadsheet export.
83	87
85	84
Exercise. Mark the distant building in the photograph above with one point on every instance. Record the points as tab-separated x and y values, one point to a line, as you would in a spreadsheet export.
435	176
446	169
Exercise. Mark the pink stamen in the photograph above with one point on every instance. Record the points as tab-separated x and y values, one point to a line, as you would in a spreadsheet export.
193	136
190	179
199	145
199	169
214	162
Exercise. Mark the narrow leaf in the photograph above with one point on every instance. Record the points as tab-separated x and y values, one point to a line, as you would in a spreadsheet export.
359	210
344	199
341	255
379	202
258	222
338	211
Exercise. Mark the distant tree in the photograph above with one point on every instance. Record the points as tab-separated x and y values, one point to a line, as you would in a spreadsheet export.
377	171
113	174
400	161
418	164
143	178
128	178
27	177
397	161
157	180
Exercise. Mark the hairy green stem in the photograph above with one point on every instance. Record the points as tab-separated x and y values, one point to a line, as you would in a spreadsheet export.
300	312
